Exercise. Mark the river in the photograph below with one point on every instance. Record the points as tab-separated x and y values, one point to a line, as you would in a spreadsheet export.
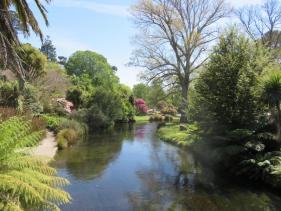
131	169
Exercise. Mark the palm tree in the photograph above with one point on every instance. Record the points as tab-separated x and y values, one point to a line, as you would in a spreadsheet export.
271	94
8	35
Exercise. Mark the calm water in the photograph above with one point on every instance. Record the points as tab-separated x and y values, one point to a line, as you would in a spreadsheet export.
131	169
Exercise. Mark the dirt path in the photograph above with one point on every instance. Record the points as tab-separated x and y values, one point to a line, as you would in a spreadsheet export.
47	148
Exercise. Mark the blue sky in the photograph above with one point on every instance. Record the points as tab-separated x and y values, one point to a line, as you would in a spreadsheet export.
103	26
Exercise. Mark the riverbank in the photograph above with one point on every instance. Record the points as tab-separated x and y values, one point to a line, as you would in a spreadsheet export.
170	132
146	118
47	147
150	170
142	118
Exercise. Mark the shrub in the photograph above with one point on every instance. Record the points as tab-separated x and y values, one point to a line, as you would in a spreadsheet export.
141	106
31	100
80	128
75	96
266	168
9	93
271	94
62	143
53	122
161	105
105	108
67	138
55	108
95	118
128	111
169	110
7	112
27	101
156	117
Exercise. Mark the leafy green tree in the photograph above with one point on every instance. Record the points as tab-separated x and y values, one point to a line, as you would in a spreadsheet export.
141	91
93	64
30	100
156	93
49	50
85	86
226	88
271	94
26	183
128	110
102	100
106	107
33	61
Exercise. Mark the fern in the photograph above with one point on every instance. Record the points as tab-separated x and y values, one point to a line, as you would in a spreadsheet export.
26	183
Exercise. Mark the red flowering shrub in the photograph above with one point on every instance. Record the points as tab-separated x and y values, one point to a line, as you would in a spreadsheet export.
141	106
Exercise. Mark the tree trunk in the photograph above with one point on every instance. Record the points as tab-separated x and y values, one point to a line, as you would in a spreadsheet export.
21	84
184	103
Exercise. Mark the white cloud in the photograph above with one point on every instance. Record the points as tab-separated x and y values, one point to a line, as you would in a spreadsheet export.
109	9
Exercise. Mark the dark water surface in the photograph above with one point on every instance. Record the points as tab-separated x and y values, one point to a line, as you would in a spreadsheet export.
131	169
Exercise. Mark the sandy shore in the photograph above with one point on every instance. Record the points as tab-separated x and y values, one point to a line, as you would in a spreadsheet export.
47	148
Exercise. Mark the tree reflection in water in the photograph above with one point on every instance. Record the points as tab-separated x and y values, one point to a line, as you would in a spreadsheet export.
129	168
178	182
87	161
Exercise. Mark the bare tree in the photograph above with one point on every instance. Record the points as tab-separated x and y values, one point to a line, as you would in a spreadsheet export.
263	22
173	38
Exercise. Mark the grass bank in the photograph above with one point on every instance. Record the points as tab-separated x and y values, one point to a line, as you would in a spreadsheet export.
142	118
146	118
170	133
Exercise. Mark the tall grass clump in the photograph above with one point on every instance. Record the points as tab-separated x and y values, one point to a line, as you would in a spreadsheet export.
67	138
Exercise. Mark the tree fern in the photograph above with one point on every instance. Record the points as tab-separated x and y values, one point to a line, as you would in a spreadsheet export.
26	183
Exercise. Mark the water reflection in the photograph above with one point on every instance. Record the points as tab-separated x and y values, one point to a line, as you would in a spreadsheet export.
130	169
88	160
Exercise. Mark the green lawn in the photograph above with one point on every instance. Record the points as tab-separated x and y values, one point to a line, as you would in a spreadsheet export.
142	118
171	133
176	119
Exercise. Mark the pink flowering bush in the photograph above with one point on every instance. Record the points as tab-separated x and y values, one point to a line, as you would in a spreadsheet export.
141	106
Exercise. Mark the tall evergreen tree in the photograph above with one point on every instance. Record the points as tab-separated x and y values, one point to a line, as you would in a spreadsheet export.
49	49
226	89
